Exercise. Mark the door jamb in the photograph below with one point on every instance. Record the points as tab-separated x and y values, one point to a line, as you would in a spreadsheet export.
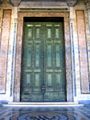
48	13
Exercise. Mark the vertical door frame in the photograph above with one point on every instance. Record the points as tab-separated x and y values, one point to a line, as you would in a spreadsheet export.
43	13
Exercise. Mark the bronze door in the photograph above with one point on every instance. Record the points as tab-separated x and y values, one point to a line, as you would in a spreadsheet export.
43	63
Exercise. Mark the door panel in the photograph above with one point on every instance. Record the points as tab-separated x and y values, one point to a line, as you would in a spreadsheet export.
49	55
31	64
53	69
43	67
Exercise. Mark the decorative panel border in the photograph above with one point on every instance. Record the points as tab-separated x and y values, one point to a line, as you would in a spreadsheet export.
5	30
40	13
82	51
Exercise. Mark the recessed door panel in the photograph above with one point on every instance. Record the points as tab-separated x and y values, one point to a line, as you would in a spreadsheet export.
43	66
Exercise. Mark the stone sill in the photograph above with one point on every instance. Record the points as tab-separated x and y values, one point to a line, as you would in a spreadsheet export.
42	104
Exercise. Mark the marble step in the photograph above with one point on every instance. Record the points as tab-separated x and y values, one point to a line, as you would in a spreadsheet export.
43	104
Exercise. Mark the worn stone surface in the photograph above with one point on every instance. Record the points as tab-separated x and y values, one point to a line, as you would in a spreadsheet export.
82	51
88	33
71	3
14	2
45	113
4	49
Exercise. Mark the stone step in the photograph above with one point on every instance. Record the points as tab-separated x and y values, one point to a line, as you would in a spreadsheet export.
43	104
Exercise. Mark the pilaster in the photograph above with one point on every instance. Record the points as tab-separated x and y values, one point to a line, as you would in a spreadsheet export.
11	55
88	34
74	53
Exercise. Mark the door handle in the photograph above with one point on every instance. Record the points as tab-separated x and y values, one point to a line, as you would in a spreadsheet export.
43	89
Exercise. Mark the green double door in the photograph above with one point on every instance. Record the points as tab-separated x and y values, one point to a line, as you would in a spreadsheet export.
43	63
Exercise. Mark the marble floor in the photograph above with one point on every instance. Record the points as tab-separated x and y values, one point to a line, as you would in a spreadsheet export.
45	113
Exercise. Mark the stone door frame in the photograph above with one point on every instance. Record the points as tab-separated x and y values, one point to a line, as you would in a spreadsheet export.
19	42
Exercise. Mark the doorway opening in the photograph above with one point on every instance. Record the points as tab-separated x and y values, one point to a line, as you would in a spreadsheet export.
43	60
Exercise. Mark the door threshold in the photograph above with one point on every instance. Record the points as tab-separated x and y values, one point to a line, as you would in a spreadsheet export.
42	104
